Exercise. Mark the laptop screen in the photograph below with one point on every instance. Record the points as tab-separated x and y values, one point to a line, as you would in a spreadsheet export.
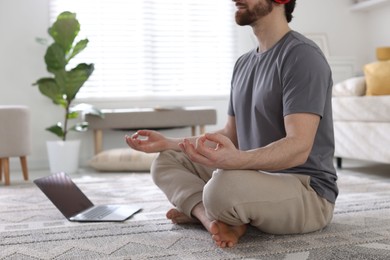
64	194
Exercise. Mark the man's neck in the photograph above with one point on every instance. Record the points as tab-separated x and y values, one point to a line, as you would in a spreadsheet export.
270	29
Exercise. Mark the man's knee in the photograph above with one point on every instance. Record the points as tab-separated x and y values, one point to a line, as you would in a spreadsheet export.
166	164
219	195
160	164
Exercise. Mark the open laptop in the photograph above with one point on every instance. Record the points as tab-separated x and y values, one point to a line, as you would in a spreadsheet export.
74	204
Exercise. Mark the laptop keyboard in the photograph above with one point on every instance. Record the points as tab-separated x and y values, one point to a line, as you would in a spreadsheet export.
99	212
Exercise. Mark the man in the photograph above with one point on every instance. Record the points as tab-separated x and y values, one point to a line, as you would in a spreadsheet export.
271	166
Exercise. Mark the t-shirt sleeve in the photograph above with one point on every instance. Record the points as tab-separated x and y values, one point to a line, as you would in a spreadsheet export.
306	78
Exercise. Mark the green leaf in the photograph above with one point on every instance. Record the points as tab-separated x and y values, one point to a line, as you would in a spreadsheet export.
64	30
56	129
71	81
55	58
49	88
73	115
61	80
76	78
79	47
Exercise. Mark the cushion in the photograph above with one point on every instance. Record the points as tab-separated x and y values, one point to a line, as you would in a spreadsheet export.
378	78
122	160
351	87
383	53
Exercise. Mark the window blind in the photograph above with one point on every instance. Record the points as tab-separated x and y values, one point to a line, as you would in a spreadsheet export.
154	47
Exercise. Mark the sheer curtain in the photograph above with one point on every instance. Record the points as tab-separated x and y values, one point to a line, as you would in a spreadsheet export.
155	47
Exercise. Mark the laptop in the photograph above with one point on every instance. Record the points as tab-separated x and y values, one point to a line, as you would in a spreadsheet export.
74	204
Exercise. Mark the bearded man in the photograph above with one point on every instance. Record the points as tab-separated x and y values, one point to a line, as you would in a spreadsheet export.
271	166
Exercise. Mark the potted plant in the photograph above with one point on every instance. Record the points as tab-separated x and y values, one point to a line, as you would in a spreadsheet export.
62	88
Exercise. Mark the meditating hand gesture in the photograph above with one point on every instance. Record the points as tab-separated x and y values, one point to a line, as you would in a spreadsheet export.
149	141
213	150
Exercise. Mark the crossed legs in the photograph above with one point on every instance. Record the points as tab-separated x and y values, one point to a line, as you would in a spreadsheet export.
225	202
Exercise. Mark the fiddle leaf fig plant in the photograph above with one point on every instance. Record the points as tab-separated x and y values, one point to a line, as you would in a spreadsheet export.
66	82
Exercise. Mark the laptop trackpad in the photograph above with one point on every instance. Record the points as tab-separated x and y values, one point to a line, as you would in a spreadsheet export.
107	213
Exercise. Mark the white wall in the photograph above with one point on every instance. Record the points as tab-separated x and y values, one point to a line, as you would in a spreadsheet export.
344	29
349	34
21	63
378	21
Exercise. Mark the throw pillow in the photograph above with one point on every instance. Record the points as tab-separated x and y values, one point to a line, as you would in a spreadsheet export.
350	87
378	78
383	53
122	160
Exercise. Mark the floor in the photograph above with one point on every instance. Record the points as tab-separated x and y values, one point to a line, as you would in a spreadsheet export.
359	231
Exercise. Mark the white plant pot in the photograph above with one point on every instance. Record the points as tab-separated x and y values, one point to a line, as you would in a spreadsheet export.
63	156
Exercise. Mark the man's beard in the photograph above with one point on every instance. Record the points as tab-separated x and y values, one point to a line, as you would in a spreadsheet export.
250	16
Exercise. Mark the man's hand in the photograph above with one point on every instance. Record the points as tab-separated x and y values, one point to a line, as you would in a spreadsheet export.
148	141
213	150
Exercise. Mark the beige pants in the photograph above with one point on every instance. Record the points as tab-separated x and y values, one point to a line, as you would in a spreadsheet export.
274	203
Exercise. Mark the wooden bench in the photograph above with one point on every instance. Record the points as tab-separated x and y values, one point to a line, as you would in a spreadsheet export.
150	118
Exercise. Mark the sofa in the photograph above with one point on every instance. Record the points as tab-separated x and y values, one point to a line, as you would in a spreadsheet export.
361	114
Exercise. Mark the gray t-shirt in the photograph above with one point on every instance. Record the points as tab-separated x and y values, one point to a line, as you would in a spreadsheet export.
291	77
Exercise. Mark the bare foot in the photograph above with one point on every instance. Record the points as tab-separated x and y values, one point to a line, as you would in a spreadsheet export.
178	217
225	235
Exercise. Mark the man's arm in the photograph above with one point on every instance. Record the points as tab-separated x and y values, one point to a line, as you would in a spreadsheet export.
290	151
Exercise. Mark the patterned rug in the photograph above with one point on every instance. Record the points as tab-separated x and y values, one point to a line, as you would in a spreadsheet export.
32	228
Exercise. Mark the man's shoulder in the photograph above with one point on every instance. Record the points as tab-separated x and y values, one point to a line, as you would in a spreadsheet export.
299	38
297	42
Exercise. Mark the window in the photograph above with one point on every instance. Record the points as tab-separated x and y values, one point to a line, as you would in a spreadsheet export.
155	47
